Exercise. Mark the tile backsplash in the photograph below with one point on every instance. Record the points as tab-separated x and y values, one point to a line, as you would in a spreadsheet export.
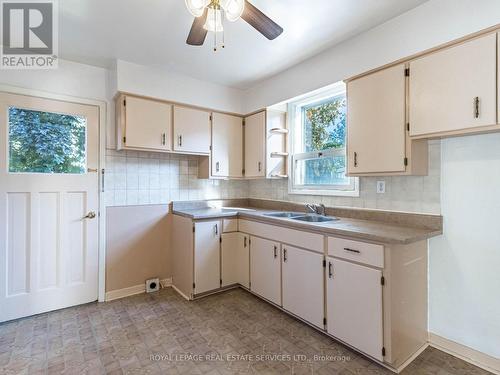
140	178
405	193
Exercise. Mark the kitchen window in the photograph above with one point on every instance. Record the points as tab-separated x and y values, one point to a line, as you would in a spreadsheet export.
318	145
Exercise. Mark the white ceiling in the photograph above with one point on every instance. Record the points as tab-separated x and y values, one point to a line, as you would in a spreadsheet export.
154	32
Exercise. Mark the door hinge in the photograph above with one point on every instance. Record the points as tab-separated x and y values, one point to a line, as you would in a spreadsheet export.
194	228
244	122
211	118
408	126
249	284
407	72
383	352
220	282
249	240
382	280
324	321
124	102
210	148
194	285
124	139
243	172
406	162
324	263
220	239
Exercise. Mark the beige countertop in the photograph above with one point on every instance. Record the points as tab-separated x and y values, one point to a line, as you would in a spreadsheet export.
362	229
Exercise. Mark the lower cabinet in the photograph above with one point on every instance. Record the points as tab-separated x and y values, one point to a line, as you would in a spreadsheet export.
206	256
354	305
265	269
302	274
235	260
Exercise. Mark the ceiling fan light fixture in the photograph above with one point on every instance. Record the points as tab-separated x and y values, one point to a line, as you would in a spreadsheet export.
196	7
214	21
233	9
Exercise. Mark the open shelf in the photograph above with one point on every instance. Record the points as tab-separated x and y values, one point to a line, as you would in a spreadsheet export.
278	131
279	154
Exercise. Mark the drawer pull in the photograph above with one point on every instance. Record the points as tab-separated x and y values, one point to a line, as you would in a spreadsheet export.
285	258
275	252
352	250
476	107
355	159
245	241
330	270
216	227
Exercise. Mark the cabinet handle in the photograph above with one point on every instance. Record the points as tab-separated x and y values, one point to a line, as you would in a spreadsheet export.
352	250
244	241
330	270
260	166
355	159
476	107
180	140
216	229
275	251
285	258
217	167
163	139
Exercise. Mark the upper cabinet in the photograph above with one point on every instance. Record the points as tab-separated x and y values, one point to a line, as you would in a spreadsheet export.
266	144
191	130
255	145
227	146
378	142
143	124
454	90
376	122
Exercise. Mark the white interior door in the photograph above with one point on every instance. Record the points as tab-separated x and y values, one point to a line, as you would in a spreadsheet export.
303	284
354	306
48	184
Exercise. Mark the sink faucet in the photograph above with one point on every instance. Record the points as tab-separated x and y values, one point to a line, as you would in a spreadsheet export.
318	209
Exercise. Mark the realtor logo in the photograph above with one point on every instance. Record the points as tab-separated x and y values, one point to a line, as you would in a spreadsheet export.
29	34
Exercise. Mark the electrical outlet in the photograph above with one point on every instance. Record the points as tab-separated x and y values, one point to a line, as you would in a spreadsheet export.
380	187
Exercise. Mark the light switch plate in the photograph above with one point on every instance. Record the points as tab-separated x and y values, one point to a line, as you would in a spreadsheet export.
380	187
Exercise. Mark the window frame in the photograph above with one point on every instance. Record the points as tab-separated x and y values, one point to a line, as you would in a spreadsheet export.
296	141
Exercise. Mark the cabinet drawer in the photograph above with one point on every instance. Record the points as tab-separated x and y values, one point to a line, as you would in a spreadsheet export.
305	240
361	252
229	225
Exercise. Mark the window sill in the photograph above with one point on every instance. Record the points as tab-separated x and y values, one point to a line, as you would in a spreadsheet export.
335	193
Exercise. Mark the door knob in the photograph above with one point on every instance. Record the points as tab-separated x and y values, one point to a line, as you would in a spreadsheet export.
90	215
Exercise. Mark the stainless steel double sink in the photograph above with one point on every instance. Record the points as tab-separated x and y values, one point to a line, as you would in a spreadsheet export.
311	218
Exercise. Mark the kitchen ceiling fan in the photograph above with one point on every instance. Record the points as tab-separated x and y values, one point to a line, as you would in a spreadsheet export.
210	15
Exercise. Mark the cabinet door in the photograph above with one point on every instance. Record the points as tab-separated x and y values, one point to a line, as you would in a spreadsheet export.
265	269
454	89
148	124
227	145
376	122
255	145
235	259
191	130
354	306
303	284
206	256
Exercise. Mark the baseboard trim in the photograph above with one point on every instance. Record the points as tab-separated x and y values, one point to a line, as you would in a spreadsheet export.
182	294
412	358
484	361
133	290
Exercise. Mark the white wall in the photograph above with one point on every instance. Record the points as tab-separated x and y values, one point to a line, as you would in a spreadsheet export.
431	24
160	83
464	263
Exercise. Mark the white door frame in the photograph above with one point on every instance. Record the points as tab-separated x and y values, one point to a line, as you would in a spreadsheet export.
103	122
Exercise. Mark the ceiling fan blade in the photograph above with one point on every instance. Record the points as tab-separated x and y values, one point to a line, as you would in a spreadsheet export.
262	23
197	34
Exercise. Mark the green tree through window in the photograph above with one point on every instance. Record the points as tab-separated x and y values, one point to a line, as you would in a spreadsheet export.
325	129
45	142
